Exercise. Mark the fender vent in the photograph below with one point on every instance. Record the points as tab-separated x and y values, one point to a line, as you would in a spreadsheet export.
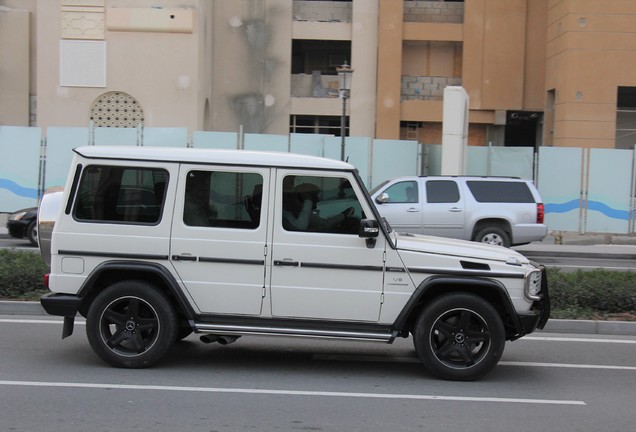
468	265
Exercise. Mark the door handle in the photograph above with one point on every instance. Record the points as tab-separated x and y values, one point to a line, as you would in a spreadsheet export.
286	263
183	258
455	210
413	210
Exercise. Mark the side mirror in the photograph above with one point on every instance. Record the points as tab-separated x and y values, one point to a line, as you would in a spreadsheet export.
369	228
382	198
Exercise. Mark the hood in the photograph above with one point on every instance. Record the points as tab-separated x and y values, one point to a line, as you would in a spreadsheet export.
459	248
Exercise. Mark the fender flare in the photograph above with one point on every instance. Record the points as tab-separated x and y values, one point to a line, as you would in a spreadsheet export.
90	287
433	286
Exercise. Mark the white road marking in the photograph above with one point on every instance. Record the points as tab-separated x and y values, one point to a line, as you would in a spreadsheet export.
33	321
287	392
575	339
565	365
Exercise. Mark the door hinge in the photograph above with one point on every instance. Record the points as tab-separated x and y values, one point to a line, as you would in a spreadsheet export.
265	251
382	298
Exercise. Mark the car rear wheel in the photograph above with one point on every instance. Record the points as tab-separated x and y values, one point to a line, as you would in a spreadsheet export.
494	236
459	337
131	324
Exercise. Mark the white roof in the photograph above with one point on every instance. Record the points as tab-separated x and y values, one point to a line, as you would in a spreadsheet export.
212	156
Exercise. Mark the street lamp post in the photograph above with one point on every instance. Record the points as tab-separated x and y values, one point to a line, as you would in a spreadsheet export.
344	76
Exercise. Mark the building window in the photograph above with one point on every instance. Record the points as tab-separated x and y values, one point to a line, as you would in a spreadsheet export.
326	125
116	109
319	55
626	118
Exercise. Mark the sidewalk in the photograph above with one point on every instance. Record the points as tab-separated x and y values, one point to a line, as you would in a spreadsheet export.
582	245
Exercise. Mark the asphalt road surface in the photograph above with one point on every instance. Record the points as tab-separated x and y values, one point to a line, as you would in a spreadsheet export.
545	382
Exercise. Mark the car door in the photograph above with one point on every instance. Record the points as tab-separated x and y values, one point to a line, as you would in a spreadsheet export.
444	208
402	206
219	237
321	268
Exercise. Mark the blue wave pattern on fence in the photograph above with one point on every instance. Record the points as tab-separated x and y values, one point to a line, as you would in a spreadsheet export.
18	190
591	205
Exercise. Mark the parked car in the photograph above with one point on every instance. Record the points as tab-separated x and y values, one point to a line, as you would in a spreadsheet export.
230	243
23	223
504	211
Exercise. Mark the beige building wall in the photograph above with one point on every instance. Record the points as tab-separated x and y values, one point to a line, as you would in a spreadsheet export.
219	65
152	54
497	54
390	36
15	72
251	61
591	51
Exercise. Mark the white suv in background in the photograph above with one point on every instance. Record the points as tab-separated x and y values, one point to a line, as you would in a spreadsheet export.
504	211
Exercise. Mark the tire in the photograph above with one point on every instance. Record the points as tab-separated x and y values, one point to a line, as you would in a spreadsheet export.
131	324
494	236
32	233
459	337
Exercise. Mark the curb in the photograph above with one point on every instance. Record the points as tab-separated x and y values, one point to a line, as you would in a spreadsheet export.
564	254
619	328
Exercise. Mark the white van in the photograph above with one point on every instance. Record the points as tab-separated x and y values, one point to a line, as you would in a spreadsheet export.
504	211
152	244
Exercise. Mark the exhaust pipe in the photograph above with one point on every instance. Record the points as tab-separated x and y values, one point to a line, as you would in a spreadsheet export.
222	339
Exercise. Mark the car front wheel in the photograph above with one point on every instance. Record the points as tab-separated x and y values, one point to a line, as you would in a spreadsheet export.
32	233
131	324
459	337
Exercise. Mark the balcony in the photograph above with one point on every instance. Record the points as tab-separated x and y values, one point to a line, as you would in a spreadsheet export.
322	11
426	88
433	11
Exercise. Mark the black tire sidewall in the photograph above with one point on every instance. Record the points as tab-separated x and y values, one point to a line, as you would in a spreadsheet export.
32	238
436	309
165	314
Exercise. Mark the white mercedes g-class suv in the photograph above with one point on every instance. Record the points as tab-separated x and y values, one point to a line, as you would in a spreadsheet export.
152	244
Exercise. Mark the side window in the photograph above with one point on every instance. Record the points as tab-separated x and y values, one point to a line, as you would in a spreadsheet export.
500	191
320	204
403	192
442	191
223	199
132	195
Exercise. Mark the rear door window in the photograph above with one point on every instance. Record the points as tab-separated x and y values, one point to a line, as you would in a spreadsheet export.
442	191
500	191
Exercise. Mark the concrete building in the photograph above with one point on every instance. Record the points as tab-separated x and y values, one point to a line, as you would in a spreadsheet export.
537	72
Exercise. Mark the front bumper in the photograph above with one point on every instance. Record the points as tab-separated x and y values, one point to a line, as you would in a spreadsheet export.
17	228
539	314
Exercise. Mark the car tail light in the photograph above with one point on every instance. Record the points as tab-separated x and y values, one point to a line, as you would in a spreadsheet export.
540	213
46	280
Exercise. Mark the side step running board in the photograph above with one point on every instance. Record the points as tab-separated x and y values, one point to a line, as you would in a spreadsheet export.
238	330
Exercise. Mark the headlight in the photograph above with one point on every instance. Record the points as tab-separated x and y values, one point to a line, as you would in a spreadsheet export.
533	285
17	216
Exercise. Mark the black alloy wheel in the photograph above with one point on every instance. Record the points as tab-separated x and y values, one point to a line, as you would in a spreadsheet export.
131	324
459	337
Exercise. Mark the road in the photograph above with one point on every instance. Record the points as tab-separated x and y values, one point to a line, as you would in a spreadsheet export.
546	382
